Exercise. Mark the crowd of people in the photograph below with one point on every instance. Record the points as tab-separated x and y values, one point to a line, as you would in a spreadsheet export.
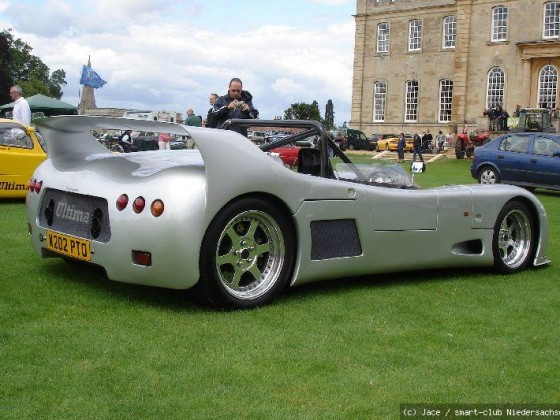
236	103
498	117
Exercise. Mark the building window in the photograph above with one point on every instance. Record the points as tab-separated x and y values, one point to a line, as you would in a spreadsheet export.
379	98
445	100
551	20
496	84
383	38
411	105
415	35
499	23
548	81
449	31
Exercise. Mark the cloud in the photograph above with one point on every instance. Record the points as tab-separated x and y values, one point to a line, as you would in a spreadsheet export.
163	55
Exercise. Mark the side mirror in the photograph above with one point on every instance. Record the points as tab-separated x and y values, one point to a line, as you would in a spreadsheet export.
417	167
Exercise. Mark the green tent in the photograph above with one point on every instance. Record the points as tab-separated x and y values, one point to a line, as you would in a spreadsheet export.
42	105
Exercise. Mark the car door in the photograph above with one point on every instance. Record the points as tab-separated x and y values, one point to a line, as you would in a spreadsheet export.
544	167
512	157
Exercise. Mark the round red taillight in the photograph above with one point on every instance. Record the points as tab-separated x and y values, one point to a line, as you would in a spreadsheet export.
38	186
122	202
139	204
157	208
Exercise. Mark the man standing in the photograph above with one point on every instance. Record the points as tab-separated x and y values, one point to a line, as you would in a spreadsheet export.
192	119
417	148
210	120
401	144
21	112
237	103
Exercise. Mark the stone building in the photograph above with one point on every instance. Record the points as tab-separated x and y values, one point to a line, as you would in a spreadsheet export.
434	64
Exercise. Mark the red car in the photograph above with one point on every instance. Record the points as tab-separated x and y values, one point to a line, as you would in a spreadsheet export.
288	154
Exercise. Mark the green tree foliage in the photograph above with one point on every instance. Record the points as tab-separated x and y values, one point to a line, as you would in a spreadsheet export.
5	78
19	67
329	115
303	111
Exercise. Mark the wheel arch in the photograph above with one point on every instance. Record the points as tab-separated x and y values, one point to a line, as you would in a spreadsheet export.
278	203
491	165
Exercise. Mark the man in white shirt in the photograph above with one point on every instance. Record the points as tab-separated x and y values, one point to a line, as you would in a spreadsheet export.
21	112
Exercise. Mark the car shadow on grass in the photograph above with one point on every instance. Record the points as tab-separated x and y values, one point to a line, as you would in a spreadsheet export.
92	277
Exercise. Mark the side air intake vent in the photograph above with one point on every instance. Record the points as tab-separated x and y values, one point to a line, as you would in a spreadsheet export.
334	239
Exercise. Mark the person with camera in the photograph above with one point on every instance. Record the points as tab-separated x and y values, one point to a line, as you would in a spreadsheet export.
237	103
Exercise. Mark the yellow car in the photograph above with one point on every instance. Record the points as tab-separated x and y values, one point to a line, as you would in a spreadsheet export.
22	149
391	144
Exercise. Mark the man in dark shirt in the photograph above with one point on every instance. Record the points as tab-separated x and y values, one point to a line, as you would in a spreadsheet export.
237	103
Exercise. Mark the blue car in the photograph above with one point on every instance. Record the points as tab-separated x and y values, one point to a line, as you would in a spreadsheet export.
530	160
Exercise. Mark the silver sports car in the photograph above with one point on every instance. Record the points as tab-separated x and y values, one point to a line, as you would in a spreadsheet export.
229	220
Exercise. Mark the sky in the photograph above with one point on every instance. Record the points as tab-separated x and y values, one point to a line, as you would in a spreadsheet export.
170	55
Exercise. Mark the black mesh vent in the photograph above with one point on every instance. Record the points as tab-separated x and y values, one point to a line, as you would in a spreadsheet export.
334	239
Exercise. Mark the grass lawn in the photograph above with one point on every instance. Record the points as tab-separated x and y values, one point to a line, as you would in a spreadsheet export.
75	345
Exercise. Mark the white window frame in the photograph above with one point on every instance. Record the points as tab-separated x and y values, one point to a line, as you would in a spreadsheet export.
415	35
449	32
383	32
495	88
412	90
548	87
551	20
379	101
499	23
445	100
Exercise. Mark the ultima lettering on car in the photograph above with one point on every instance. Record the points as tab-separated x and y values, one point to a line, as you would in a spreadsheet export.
230	221
22	149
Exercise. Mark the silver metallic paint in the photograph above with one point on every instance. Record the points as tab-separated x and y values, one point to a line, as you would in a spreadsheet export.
399	229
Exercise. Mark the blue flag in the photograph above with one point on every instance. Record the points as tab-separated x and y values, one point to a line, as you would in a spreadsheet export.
91	78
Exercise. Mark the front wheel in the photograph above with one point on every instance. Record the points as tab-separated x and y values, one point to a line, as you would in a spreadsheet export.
247	255
514	238
488	175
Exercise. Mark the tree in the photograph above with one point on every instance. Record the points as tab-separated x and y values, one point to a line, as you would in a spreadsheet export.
303	111
19	67
329	115
6	81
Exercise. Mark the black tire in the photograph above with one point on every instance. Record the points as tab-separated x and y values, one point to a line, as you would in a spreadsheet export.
488	175
513	242
377	149
247	255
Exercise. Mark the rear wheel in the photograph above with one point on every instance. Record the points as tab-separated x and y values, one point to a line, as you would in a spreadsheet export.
247	255
514	238
488	175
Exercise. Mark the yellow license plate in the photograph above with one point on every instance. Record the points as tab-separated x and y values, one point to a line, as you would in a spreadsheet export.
68	245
